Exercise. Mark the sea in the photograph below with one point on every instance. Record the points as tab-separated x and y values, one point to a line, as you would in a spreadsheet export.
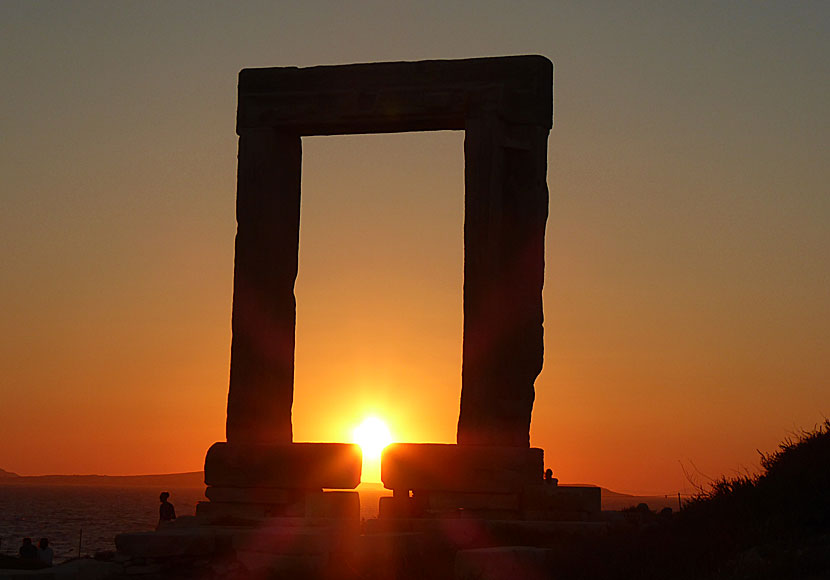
83	520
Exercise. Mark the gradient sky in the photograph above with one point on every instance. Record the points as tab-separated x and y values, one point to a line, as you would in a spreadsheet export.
687	320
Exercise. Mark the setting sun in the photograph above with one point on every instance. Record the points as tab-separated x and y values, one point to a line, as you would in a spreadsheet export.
372	435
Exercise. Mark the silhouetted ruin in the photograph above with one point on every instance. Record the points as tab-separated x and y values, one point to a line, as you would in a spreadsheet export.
504	105
268	512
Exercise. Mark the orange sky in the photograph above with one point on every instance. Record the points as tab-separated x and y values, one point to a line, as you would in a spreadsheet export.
686	314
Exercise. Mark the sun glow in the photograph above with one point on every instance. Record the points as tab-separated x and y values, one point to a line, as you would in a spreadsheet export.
372	435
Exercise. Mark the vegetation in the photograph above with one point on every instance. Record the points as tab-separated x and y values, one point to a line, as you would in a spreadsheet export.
777	521
772	525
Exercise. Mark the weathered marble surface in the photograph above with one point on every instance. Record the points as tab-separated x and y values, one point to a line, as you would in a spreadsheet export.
505	106
254	509
460	468
506	208
389	97
562	502
304	466
261	390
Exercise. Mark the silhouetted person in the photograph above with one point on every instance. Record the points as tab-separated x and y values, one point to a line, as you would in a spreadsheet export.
44	552
28	551
549	478
167	513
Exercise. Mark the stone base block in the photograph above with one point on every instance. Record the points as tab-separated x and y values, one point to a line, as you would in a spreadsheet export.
267	495
408	509
288	540
289	466
333	505
442	501
396	507
540	502
460	468
391	555
265	565
227	513
167	543
469	533
302	538
451	504
561	502
504	563
80	568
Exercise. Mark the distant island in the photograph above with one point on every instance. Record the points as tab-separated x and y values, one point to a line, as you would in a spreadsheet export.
188	479
611	500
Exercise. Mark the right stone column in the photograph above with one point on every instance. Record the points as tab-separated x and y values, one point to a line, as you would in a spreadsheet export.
506	208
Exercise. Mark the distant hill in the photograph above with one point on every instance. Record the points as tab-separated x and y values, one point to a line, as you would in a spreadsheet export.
611	500
189	479
615	501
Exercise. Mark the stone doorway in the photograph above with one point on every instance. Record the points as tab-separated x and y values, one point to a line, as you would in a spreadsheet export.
504	106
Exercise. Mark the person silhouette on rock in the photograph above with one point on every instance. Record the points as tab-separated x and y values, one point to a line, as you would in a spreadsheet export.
28	551
167	513
44	552
549	478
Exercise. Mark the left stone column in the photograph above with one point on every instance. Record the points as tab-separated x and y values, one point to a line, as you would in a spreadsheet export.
261	389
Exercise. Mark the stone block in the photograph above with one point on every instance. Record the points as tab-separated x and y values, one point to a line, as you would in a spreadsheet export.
391	555
396	96
439	504
88	570
166	543
286	540
460	468
264	564
562	502
334	504
331	535
588	498
555	516
221	512
267	495
142	570
441	500
503	563
462	533
290	466
384	544
187	521
396	507
317	505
